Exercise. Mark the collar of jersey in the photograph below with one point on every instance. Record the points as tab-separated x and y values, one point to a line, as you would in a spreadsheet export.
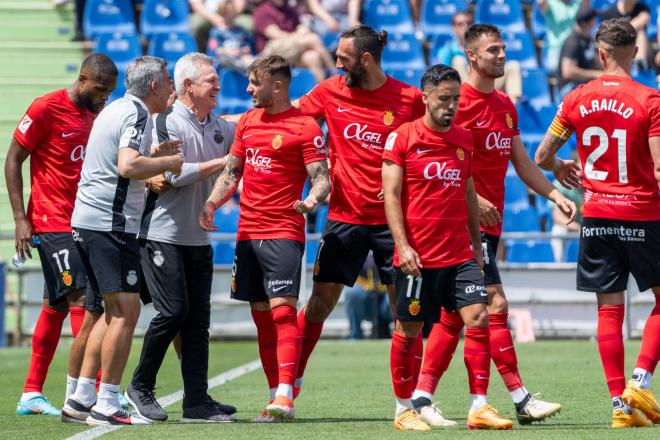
183	110
136	99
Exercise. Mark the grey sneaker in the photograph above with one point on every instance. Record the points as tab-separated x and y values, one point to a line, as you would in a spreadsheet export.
145	404
205	413
75	412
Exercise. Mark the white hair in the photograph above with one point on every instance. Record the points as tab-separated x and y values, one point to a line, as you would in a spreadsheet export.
141	71
188	68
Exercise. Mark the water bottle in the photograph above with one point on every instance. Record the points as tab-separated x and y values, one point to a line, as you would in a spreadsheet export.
19	260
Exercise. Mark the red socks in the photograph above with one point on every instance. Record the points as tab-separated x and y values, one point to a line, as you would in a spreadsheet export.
311	333
610	346
502	350
44	342
650	351
418	353
289	342
267	340
76	317
440	347
402	365
477	359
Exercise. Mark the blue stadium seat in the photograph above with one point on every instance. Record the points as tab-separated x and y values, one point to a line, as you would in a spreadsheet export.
544	212
652	27
389	15
321	218
571	248
535	88
436	16
530	251
108	16
521	219
120	90
538	23
520	47
171	47
164	17
122	48
403	51
412	77
226	218
505	14
436	44
312	248
601	5
515	194
534	122
646	77
233	97
223	252
302	81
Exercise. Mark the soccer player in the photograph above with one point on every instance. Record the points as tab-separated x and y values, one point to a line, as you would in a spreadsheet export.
429	198
361	108
105	222
175	254
491	117
617	125
276	147
53	133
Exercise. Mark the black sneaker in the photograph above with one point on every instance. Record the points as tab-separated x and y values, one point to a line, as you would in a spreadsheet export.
205	413
75	412
145	404
222	407
120	417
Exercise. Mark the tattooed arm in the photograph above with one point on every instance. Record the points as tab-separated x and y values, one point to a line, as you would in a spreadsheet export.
566	171
318	174
223	189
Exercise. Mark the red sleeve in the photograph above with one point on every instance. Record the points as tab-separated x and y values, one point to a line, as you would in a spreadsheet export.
33	127
313	142
237	149
313	103
418	106
395	147
653	106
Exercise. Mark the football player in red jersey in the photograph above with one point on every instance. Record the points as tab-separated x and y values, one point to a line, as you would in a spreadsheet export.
617	125
276	147
491	117
53	133
429	197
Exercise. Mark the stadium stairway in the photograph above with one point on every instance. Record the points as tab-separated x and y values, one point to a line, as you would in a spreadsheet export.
36	57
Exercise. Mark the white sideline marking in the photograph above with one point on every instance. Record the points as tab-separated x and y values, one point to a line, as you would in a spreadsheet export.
168	400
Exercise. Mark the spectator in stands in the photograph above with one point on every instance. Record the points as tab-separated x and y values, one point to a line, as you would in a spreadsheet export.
79	6
366	300
279	32
231	46
332	16
559	219
452	53
559	21
640	15
206	15
578	62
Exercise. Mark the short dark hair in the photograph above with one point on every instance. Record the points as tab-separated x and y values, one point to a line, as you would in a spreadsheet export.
273	65
475	32
101	64
365	39
439	73
459	13
617	32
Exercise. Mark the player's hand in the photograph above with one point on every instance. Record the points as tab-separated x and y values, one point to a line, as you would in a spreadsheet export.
567	207
305	206
159	184
488	213
567	173
167	148
206	217
174	164
381	194
24	238
410	261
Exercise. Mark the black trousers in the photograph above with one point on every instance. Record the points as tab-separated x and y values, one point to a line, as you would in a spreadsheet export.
179	281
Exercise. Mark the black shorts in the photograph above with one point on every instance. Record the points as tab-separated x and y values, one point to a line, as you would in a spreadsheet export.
112	260
453	287
489	245
343	250
610	250
266	269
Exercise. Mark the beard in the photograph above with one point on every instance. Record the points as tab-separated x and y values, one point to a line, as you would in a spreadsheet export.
354	78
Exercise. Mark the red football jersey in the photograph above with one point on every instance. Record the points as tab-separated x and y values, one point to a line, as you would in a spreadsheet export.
55	131
613	118
435	168
276	149
493	120
359	122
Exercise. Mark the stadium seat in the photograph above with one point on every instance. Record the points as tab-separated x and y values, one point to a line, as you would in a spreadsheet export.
515	194
530	251
521	219
311	249
302	81
544	212
171	47
436	44
436	16
321	218
120	90
122	48
226	218
520	47
600	5
646	77
534	122
403	51
571	249
331	41
223	252
164	17
652	27
233	96
389	15
535	88
505	14
108	16
412	77
538	23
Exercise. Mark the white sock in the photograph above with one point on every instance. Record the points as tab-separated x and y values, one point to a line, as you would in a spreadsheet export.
108	402
403	405
285	390
419	393
618	403
85	393
298	383
478	400
71	384
642	378
519	394
30	395
272	393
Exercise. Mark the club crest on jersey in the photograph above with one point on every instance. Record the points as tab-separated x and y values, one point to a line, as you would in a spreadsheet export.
159	259
414	308
460	153
509	120
218	137
67	279
388	117
277	141
132	278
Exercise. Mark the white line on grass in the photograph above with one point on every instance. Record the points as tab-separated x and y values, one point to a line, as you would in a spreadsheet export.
168	400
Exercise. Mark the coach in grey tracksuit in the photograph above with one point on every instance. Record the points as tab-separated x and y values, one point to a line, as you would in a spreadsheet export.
175	253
